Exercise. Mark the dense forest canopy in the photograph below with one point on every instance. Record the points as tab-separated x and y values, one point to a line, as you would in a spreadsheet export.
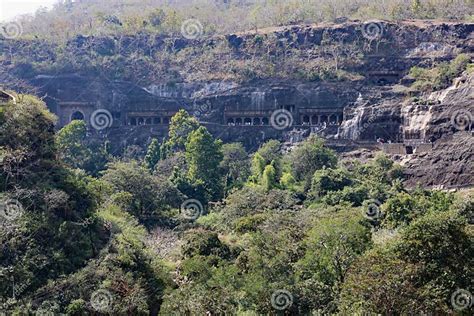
195	226
96	17
187	224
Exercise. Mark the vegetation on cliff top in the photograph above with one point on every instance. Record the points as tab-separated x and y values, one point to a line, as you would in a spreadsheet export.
98	17
442	75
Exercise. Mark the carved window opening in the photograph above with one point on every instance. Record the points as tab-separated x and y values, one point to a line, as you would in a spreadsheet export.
77	116
305	120
290	108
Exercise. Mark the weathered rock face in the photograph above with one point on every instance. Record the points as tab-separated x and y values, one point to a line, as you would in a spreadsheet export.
452	126
449	165
373	117
445	119
233	112
453	109
373	105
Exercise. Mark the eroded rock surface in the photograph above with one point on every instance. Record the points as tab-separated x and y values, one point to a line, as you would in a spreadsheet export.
372	105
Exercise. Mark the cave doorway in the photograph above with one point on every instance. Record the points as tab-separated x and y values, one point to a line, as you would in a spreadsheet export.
77	116
409	150
305	120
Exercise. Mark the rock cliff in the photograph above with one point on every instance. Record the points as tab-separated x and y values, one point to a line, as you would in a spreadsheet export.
347	82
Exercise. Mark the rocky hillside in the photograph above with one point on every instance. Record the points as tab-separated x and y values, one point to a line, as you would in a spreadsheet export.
357	73
448	122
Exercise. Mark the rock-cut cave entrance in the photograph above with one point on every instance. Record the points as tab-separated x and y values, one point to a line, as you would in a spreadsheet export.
77	116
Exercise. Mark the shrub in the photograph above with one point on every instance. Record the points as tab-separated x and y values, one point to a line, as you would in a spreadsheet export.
441	76
203	243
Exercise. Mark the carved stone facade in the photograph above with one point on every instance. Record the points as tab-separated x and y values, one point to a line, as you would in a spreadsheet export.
229	113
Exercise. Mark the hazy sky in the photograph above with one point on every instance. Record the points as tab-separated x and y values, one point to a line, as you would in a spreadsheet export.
11	8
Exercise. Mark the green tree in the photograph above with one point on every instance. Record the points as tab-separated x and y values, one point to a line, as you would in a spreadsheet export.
204	156
151	195
310	156
374	285
77	151
153	154
287	181
235	164
269	178
441	242
204	243
327	179
71	145
258	165
164	150
332	245
27	147
416	272
416	7
50	198
271	151
181	126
